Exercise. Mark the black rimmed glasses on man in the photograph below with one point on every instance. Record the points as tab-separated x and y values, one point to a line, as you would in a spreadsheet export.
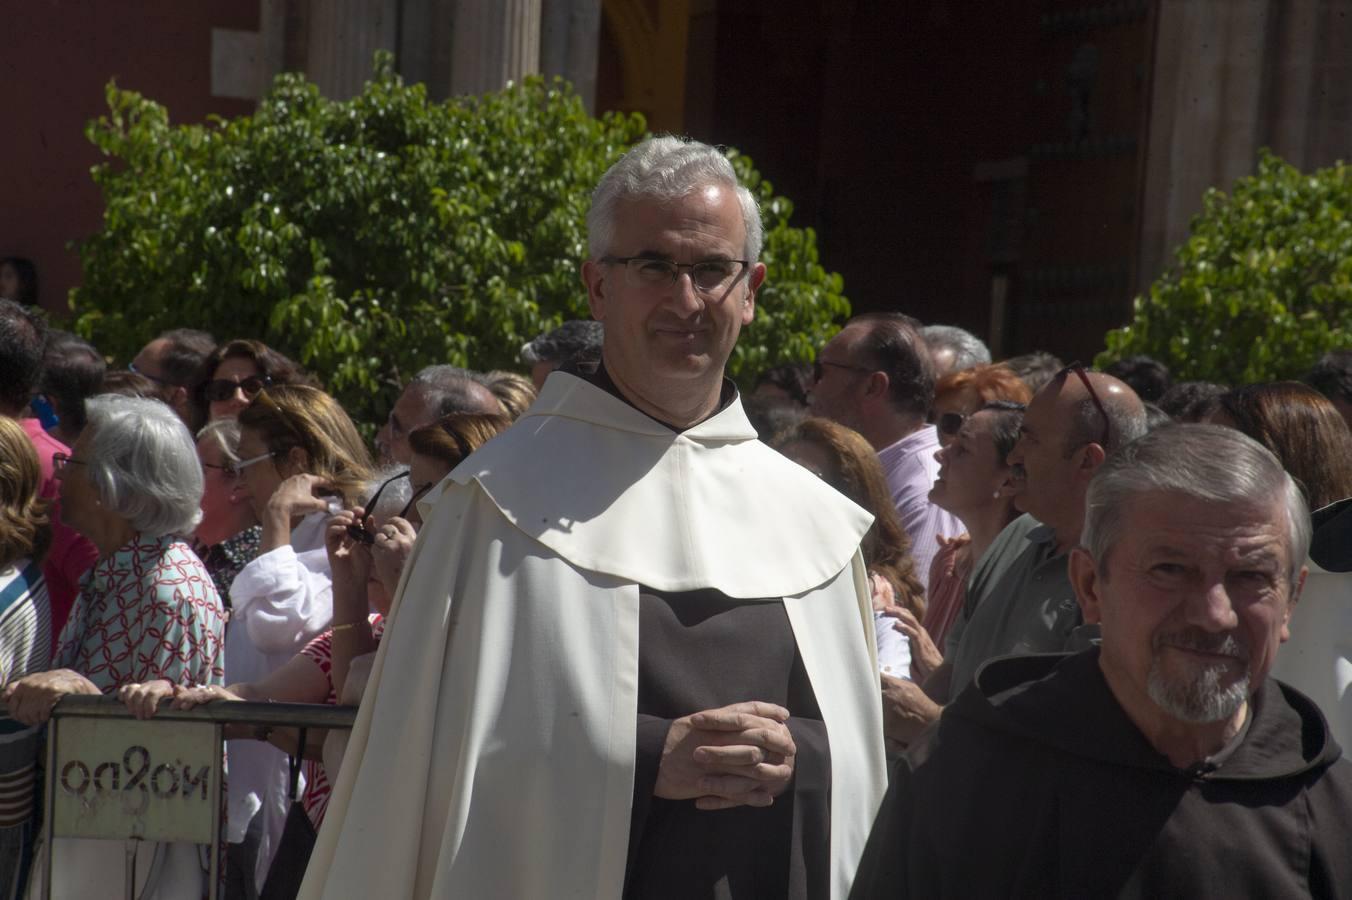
61	460
819	368
131	367
709	276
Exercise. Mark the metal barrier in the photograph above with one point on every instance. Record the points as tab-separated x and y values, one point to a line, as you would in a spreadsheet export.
111	776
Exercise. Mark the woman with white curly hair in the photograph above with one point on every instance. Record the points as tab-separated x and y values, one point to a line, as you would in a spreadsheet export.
132	484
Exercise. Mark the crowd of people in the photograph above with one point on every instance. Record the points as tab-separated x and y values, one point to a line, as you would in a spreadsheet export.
903	622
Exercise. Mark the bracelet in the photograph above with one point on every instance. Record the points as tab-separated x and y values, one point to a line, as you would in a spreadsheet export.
345	626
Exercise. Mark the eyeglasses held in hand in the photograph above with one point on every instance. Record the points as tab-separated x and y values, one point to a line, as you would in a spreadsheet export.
417	495
1078	369
221	389
357	531
710	276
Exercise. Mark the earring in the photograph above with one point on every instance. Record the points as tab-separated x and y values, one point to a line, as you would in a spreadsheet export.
995	496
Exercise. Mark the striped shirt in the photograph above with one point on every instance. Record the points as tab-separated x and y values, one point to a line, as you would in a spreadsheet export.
25	648
317	786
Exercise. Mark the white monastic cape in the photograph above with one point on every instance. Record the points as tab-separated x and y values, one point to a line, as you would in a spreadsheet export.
493	755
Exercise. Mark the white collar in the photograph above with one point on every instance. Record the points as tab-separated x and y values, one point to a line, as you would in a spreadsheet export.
615	492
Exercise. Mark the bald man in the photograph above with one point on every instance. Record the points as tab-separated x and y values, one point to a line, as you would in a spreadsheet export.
1019	598
434	392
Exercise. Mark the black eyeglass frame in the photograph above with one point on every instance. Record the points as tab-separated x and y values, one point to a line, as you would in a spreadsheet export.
819	369
131	367
228	470
1080	371
61	460
358	531
745	266
417	495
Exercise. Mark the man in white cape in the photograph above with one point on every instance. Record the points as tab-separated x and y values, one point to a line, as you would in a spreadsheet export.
632	653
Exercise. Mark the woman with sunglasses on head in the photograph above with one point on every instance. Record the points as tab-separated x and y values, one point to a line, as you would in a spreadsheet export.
234	374
300	460
228	537
960	394
972	484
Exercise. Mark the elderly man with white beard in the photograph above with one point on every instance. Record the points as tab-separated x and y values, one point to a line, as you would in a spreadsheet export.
1164	762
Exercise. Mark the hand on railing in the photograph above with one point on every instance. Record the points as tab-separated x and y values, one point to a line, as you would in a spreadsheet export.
144	699
30	700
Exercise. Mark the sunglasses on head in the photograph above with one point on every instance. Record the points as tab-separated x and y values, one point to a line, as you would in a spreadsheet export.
1079	370
357	531
220	389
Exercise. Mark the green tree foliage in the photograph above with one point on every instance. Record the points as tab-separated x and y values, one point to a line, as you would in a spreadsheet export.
371	237
1263	285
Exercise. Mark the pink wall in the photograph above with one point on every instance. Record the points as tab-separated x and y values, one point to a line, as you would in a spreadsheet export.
57	57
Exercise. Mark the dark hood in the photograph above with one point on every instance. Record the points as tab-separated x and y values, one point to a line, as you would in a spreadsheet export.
1332	544
1063	701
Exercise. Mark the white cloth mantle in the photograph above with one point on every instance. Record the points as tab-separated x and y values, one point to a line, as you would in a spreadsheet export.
493	755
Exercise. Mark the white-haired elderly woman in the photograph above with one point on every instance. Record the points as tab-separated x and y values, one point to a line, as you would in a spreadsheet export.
316	673
148	609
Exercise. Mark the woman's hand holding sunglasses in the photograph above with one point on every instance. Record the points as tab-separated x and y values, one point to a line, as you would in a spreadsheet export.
339	538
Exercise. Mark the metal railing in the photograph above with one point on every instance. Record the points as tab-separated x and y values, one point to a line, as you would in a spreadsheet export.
111	776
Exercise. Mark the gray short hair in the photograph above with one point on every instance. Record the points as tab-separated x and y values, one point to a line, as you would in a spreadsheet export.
224	433
451	389
968	349
143	464
394	497
667	168
1203	462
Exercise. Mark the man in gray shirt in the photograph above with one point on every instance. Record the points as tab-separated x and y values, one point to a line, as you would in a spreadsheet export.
1019	599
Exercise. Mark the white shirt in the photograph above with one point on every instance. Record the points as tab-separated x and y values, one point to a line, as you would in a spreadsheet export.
280	601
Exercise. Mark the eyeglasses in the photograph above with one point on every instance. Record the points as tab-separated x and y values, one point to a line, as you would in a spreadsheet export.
710	276
417	495
358	531
950	424
61	460
243	464
229	471
131	367
819	370
1078	369
221	389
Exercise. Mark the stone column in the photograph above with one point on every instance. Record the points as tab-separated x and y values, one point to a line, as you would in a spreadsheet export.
343	36
1231	77
570	35
495	41
425	44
